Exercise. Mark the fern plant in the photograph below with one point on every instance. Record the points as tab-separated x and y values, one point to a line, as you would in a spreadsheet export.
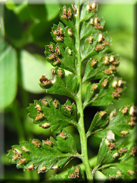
79	41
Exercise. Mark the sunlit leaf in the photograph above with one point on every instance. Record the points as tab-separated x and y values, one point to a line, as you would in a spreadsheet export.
31	68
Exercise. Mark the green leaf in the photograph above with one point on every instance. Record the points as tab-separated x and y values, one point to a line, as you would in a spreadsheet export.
99	68
63	53
119	122
55	115
112	173
86	12
22	11
60	84
42	156
67	16
99	121
65	144
10	4
8	77
91	45
93	41
52	10
104	92
31	68
75	173
125	169
88	27
64	57
106	152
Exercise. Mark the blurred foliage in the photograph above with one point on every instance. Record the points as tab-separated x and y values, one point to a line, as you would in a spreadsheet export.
24	31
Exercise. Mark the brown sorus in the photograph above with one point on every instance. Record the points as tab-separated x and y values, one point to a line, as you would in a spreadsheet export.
36	143
39	117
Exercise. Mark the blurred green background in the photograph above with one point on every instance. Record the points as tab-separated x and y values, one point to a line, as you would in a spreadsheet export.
24	32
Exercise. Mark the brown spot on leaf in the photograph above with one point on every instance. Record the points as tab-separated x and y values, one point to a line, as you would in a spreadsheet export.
45	102
51	48
39	117
122	150
132	121
24	149
76	173
70	32
112	67
118	90
42	169
15	157
60	72
55	167
36	143
115	155
111	145
91	7
90	38
104	83
93	62
52	56
57	50
115	62
94	87
105	43
124	110
102	113
59	38
56	61
22	161
133	151
130	172
99	47
115	95
30	167
107	71
124	133
62	135
55	103
68	108
44	81
38	107
48	142
45	125
17	151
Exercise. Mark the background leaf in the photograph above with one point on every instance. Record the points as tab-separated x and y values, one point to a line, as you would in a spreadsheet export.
38	11
52	10
8	77
12	28
32	67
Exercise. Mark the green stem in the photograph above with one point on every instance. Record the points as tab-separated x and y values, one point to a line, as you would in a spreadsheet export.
81	127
